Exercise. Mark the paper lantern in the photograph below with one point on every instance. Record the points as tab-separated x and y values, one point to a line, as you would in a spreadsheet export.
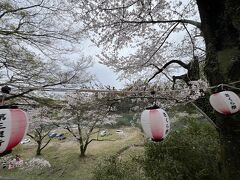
155	123
13	127
225	102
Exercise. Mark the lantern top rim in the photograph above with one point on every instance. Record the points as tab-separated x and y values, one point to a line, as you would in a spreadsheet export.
8	107
153	107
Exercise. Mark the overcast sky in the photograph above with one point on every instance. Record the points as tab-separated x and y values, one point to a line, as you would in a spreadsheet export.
103	73
106	76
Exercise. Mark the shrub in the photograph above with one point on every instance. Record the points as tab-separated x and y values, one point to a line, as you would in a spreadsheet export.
188	153
113	168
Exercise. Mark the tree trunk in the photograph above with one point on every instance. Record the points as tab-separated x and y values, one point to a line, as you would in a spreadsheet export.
220	24
82	147
229	131
38	152
82	151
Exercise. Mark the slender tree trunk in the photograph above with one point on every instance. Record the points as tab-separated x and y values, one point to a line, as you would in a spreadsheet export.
220	20
38	152
82	151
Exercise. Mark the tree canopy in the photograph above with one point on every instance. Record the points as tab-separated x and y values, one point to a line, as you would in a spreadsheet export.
139	37
36	38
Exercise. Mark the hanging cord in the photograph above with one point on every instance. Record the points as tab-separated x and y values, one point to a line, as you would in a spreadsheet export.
3	97
232	87
153	93
236	82
226	85
205	115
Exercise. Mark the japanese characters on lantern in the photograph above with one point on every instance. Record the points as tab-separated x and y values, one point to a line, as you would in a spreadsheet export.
225	102
13	127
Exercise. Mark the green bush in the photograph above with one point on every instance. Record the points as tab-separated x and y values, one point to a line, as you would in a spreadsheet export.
188	153
113	168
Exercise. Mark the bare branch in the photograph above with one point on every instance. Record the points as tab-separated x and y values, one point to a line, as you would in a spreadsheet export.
74	135
46	144
168	34
20	9
193	46
166	65
162	72
31	136
44	86
194	23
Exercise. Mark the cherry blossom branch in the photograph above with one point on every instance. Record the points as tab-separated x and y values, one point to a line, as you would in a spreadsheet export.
119	7
168	34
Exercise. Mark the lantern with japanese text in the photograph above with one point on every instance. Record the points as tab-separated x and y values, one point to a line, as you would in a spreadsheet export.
13	127
155	123
225	102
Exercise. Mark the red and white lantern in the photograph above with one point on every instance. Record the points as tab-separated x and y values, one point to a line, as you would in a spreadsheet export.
13	127
155	123
225	102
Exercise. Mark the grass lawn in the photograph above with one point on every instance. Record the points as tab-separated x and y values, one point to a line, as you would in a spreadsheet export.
64	156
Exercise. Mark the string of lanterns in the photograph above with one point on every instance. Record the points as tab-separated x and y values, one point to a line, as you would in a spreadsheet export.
154	120
59	89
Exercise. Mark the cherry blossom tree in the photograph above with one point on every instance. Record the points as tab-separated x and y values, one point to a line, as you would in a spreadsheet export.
139	37
36	40
41	123
83	116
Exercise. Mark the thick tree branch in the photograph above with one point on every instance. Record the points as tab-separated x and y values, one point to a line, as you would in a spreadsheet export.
39	133
166	65
162	72
194	23
31	136
46	134
46	144
38	88
74	135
